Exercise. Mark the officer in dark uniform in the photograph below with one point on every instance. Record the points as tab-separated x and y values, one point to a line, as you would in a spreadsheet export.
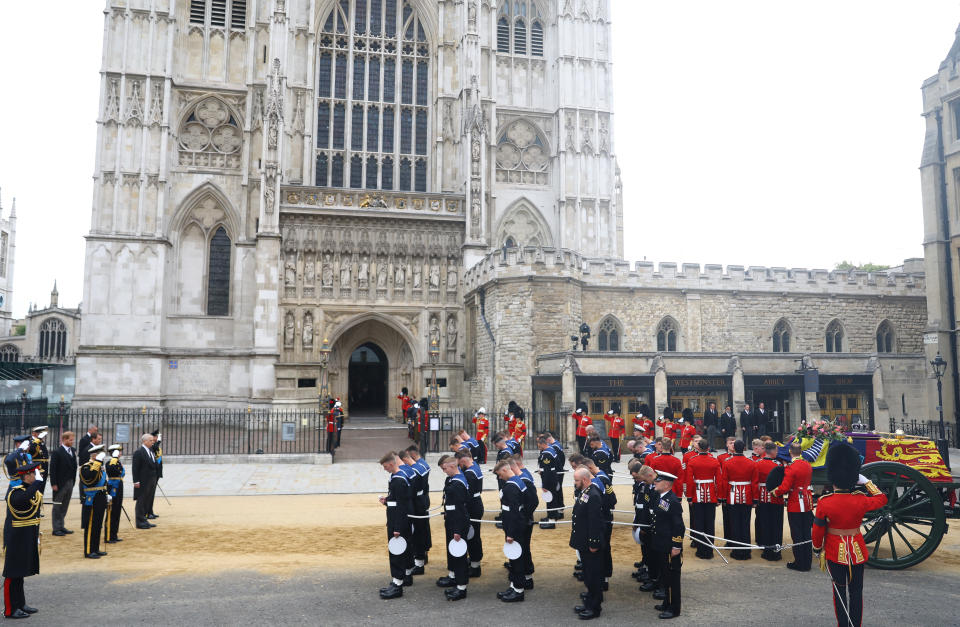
514	521
157	449
456	522
588	537
559	466
94	482
115	474
643	495
398	505
547	461
423	495
609	502
21	538
17	457
39	453
474	475
668	531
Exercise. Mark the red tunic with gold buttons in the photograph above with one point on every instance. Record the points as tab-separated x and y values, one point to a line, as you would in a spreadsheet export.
667	462
843	511
617	427
647	426
796	485
738	477
519	431
583	421
687	431
510	422
764	466
703	477
483	427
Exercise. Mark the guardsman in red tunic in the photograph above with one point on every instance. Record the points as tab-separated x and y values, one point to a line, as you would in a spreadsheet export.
668	462
509	422
483	430
665	422
583	421
519	433
686	457
836	529
738	478
331	427
405	401
616	431
796	485
724	506
686	431
646	425
703	476
769	520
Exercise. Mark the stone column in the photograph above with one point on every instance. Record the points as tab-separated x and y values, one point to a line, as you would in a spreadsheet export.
739	395
660	394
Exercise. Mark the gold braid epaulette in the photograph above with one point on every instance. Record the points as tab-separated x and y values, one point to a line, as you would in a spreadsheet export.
21	517
95	466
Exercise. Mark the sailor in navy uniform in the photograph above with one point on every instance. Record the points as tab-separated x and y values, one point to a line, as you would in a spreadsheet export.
474	475
418	539
514	521
398	503
600	453
530	503
423	469
561	462
668	531
456	523
549	480
588	536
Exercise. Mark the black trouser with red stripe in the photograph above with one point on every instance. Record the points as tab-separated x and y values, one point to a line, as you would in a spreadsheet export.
801	526
615	449
847	577
93	520
13	598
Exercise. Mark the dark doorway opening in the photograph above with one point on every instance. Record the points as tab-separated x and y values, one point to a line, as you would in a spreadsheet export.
367	392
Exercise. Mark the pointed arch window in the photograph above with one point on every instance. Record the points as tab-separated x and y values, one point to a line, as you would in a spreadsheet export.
834	337
886	338
9	352
609	333
53	339
210	136
781	337
218	274
522	155
520	28
371	52
667	332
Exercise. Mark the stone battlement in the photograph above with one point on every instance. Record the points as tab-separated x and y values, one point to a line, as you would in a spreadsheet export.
606	272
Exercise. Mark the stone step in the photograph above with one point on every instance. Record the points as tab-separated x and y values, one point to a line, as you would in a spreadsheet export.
369	444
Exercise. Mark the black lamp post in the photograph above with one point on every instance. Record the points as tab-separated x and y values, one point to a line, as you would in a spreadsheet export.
939	368
23	407
434	400
323	397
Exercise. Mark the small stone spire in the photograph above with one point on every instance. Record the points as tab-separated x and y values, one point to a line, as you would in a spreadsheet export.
54	295
13	210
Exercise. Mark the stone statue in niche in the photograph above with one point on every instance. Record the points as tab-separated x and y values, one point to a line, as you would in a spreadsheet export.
451	277
571	129
417	281
381	274
604	136
434	276
475	149
344	274
288	330
434	331
448	120
472	15
308	331
406	366
309	271
452	333
327	272
399	277
363	273
290	273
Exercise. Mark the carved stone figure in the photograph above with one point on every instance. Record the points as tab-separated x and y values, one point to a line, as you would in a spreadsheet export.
290	273
472	15
434	331
604	136
416	276
452	333
309	270
586	145
434	276
448	132
475	148
451	277
345	274
571	128
288	330
381	274
399	277
363	273
327	272
406	366
308	331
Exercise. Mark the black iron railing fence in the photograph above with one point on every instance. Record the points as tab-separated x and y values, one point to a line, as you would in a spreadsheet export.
452	420
929	429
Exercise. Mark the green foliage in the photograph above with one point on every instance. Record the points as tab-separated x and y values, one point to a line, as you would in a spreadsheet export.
20	329
866	267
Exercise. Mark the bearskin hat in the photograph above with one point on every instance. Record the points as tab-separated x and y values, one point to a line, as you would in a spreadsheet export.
843	465
687	414
775	478
667	413
644	409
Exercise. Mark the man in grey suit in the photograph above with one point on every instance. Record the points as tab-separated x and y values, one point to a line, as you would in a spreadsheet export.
63	476
144	480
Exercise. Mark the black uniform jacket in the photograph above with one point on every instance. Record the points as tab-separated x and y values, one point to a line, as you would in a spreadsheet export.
21	531
588	520
456	518
668	527
398	505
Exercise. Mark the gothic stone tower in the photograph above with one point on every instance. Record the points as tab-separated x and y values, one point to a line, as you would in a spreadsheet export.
271	174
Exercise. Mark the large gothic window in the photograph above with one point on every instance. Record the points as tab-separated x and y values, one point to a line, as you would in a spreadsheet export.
9	352
609	334
781	337
522	155
834	337
520	28
373	94
886	340
667	332
218	274
53	339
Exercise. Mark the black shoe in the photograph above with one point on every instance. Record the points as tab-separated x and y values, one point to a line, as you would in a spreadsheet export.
637	564
528	584
408	580
446	582
578	565
59	533
648	587
144	526
510	596
793	566
667	614
659	595
391	592
29	610
92	556
109	541
455	594
152	516
578	575
18	614
151	524
417	570
499	525
579	608
101	552
660	607
549	525
117	540
68	531
506	565
474	572
588	615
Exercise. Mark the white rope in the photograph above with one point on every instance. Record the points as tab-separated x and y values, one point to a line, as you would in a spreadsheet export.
839	598
551	509
427	516
709	544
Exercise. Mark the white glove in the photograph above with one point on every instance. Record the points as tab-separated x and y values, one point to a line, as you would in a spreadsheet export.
36	473
100	456
24	445
861	480
159	437
109	498
116	454
43	434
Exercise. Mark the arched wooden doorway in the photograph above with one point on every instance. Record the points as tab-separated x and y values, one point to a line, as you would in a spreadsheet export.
367	381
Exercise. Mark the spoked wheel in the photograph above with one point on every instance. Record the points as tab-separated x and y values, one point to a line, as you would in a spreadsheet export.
906	530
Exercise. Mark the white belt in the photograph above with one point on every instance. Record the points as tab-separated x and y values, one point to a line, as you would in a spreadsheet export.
420	493
639	505
450	507
505	508
699	481
477	495
391	503
740	483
